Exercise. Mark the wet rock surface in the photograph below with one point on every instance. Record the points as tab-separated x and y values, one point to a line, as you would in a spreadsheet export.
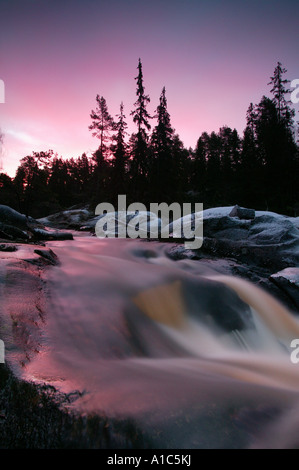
48	256
17	227
8	247
73	219
254	246
269	240
288	281
242	213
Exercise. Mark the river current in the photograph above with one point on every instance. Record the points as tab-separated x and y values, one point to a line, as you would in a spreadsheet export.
195	358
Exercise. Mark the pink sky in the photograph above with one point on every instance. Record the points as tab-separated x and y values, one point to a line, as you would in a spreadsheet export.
213	57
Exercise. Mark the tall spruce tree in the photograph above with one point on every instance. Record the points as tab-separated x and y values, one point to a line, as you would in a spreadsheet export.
199	168
119	158
213	175
101	126
33	178
139	141
250	174
162	167
230	144
59	184
283	164
181	164
278	152
280	90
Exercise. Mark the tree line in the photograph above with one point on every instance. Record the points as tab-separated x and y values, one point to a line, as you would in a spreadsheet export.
258	169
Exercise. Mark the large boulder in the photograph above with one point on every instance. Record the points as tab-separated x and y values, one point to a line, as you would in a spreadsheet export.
288	281
9	216
18	227
242	213
267	241
72	219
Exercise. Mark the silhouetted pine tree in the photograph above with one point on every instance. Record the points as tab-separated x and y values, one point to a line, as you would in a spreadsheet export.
119	160
139	141
59	184
278	151
214	178
182	165
80	172
100	181
32	183
280	90
230	145
101	127
199	168
284	165
162	160
250	173
8	195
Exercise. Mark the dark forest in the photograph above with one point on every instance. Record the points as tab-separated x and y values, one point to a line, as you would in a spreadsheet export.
257	169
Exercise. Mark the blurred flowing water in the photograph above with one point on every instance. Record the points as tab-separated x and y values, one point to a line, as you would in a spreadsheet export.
195	358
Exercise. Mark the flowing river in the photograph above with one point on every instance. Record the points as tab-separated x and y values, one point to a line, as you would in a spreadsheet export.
195	358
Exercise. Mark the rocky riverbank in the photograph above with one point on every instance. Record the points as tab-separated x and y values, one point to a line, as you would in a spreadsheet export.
38	410
38	415
260	246
20	228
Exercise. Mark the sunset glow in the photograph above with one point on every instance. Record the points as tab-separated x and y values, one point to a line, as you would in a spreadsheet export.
214	58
